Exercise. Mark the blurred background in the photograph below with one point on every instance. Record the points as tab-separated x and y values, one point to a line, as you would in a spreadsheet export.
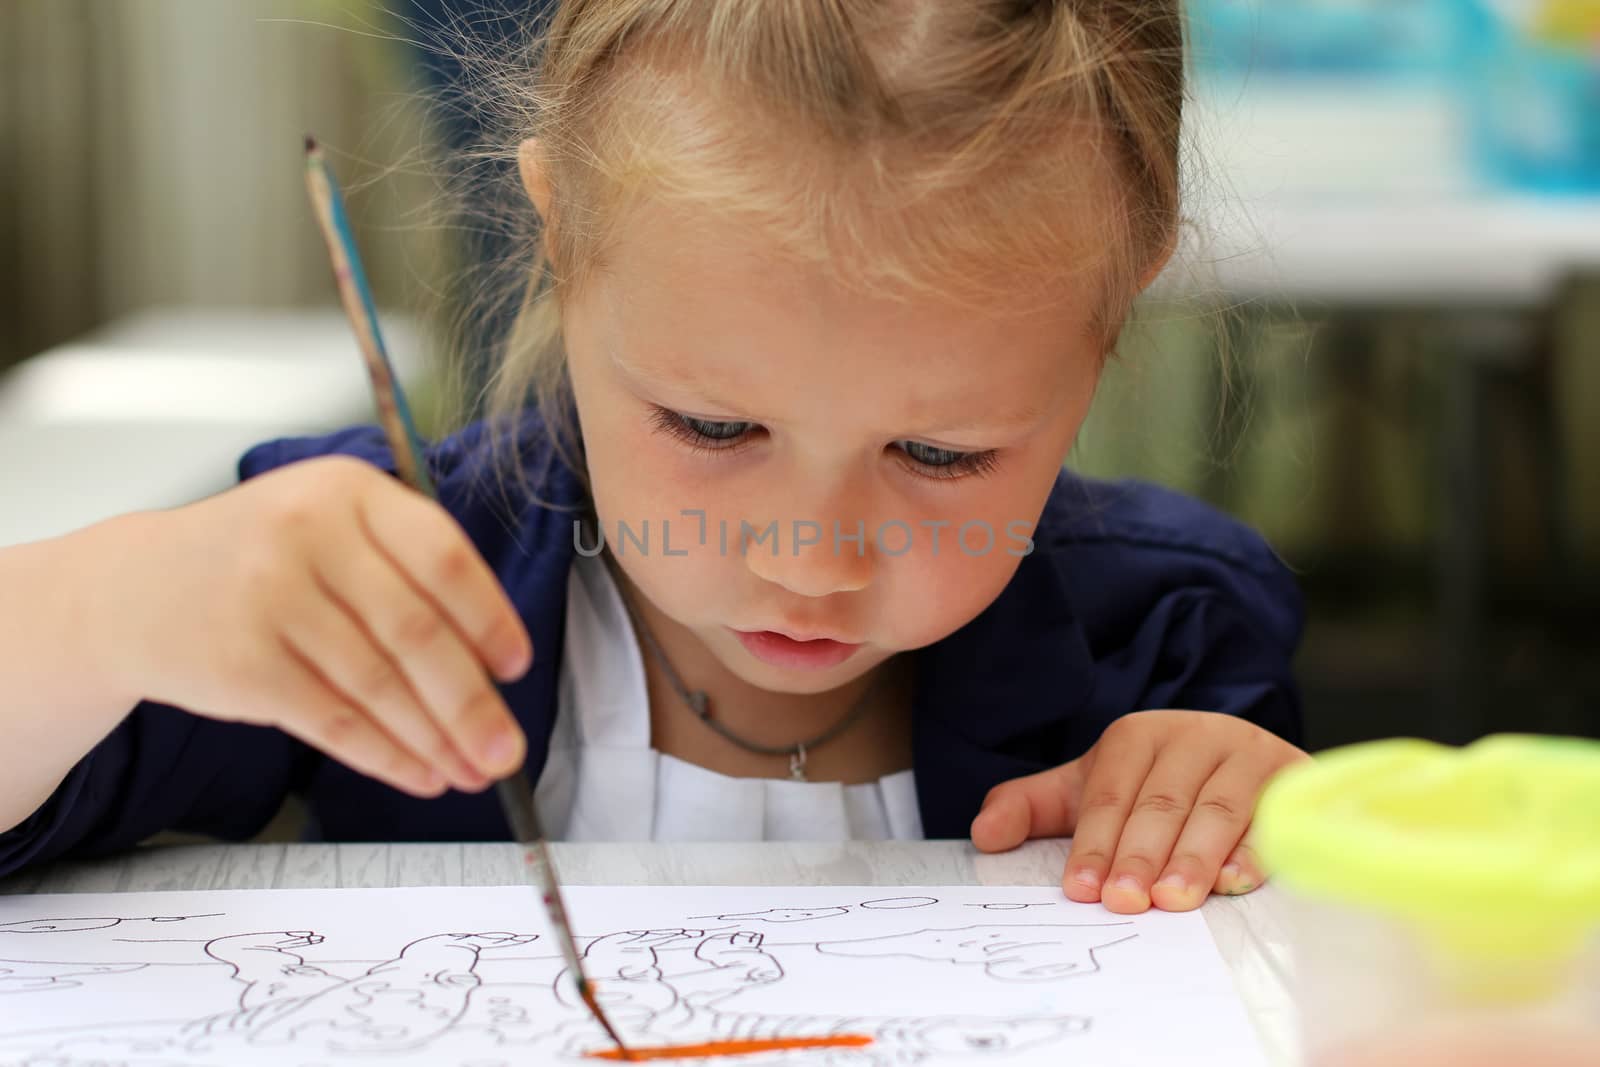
1380	344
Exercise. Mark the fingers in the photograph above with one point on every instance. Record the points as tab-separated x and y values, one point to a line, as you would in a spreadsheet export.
1155	823
1039	805
427	545
330	722
1122	762
1241	872
1221	814
328	636
1167	799
438	663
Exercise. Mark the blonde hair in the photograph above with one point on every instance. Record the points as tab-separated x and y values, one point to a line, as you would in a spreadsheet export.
898	141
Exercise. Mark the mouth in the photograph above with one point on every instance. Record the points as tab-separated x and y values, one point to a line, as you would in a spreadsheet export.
794	653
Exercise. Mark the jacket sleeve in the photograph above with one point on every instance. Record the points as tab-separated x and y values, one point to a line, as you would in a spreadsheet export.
164	769
160	769
1192	611
1214	647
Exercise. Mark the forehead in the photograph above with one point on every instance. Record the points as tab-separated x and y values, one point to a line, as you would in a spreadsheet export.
891	211
701	301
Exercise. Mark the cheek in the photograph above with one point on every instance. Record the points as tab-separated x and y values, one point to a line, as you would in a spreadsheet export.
636	472
622	453
642	479
931	592
639	484
935	589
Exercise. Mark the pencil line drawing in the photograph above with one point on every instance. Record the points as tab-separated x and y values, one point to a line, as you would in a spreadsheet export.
75	925
218	989
270	997
662	986
284	1002
401	1003
100	941
778	915
795	915
1014	953
47	977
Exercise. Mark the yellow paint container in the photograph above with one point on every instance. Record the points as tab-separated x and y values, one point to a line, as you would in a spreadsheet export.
1437	893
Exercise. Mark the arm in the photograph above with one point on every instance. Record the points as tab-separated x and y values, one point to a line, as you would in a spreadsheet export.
63	698
89	767
321	604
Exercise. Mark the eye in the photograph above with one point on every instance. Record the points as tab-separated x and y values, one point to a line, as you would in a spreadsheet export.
933	462
717	431
702	434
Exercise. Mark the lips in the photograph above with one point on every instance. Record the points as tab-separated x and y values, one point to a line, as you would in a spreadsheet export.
786	651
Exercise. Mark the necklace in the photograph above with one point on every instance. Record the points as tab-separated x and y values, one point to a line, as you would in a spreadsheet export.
699	702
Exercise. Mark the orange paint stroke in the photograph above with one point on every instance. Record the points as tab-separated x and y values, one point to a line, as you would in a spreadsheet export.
732	1048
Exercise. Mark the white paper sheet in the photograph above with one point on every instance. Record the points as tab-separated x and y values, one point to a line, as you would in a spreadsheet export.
469	976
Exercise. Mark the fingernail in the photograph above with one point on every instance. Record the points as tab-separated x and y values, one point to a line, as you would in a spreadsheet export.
1174	882
501	751
1235	882
1128	884
515	664
1086	878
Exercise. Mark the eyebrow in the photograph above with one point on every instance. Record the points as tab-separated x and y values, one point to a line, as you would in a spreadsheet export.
1025	417
671	384
1007	421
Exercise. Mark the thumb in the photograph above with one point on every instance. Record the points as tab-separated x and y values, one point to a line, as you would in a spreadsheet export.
1040	805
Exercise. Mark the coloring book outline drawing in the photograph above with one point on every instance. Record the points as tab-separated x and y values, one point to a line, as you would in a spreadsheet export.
487	997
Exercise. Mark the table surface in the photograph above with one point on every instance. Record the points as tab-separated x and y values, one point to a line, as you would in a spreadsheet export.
1249	930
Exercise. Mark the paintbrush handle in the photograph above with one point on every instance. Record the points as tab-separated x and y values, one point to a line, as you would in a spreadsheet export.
515	791
394	414
516	799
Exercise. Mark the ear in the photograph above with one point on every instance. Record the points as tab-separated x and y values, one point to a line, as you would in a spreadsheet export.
530	164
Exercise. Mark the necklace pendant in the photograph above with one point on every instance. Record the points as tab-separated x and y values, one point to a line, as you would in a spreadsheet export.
797	764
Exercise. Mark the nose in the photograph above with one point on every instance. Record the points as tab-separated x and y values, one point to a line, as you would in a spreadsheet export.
812	557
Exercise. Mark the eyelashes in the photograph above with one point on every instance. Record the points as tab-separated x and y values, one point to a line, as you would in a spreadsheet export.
701	435
945	463
706	437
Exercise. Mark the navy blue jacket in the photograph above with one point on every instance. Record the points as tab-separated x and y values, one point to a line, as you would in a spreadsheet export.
1133	598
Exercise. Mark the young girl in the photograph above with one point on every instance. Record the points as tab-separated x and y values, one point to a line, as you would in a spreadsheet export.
820	295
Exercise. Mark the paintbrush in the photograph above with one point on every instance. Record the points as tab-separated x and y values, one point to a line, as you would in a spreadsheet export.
515	791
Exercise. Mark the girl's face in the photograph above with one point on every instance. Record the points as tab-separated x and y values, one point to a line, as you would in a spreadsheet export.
869	469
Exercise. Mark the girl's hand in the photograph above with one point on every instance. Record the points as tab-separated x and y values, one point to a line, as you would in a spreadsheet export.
1157	809
327	599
